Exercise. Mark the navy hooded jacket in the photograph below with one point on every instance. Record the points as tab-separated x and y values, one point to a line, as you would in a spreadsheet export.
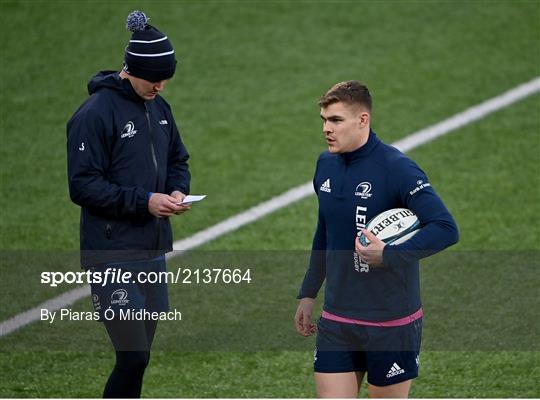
120	148
352	188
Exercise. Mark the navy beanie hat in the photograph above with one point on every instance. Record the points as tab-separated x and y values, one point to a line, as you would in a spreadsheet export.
149	54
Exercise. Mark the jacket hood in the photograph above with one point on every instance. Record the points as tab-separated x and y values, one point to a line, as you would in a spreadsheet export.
111	80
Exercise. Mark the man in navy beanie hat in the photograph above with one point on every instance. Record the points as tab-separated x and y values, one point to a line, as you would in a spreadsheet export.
128	171
149	54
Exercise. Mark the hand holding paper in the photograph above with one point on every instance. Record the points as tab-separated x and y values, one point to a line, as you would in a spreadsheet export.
192	199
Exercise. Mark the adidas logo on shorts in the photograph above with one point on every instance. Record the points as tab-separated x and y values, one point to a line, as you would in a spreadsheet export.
395	370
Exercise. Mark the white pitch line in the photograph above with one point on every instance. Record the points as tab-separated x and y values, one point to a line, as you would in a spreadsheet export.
293	195
251	215
34	314
469	115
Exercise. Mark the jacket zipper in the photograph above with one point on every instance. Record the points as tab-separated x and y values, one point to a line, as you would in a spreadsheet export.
152	149
154	160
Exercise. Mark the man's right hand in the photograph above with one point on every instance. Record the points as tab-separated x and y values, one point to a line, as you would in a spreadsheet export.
163	205
302	319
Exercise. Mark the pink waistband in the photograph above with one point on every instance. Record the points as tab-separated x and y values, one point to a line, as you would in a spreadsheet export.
395	322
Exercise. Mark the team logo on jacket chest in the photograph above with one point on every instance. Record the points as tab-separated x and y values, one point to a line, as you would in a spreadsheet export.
363	190
129	130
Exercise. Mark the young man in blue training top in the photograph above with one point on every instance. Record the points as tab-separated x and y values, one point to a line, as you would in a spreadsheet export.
372	315
128	170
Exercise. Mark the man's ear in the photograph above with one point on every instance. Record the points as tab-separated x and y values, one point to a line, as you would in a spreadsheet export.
364	119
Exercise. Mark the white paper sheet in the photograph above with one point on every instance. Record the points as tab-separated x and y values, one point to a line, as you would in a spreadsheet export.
192	198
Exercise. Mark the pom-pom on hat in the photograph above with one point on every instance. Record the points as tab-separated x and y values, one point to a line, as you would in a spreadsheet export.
149	54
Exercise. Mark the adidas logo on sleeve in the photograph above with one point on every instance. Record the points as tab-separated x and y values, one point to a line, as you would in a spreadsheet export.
325	187
395	370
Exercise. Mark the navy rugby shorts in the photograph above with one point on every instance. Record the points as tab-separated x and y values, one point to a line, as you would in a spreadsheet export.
134	295
389	355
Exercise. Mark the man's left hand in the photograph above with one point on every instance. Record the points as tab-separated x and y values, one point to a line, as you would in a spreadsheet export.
372	254
180	197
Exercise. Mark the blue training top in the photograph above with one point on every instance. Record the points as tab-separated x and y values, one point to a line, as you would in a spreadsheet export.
352	188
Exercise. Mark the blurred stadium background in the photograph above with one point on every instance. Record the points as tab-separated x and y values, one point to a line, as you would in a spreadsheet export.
244	97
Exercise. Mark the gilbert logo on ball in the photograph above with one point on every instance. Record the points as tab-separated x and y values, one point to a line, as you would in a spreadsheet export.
393	226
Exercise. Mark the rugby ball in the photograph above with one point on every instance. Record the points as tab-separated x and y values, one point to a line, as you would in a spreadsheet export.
393	226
